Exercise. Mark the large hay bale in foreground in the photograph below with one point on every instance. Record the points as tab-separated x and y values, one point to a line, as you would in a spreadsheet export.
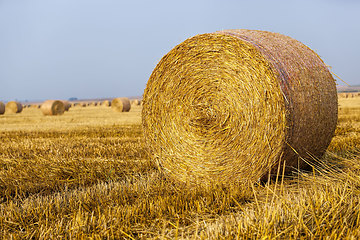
14	107
53	107
2	108
232	106
121	104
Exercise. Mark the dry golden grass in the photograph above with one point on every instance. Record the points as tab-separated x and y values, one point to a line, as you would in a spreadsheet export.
86	174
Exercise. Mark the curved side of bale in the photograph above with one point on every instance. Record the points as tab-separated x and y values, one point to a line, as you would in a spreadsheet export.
14	107
67	105
311	114
230	106
121	104
53	107
2	108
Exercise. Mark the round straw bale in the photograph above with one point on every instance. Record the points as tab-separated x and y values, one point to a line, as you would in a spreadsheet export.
53	107
232	106
121	104
135	102
2	108
67	105
14	107
106	103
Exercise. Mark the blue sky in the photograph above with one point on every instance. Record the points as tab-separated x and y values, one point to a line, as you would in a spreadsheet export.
108	48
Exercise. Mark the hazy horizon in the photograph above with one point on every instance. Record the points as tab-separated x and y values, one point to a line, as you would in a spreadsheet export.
101	49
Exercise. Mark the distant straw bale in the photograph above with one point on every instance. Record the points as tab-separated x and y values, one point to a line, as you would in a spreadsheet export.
53	107
2	108
14	107
67	105
106	103
121	104
135	102
232	106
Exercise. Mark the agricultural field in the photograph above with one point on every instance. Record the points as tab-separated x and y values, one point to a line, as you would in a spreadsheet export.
87	174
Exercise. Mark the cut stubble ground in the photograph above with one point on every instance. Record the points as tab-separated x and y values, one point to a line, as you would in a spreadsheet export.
87	174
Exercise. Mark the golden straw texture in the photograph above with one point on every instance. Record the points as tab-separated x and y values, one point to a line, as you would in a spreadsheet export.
229	106
121	104
14	107
2	108
53	107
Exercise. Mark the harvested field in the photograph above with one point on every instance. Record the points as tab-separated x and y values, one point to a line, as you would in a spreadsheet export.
87	174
